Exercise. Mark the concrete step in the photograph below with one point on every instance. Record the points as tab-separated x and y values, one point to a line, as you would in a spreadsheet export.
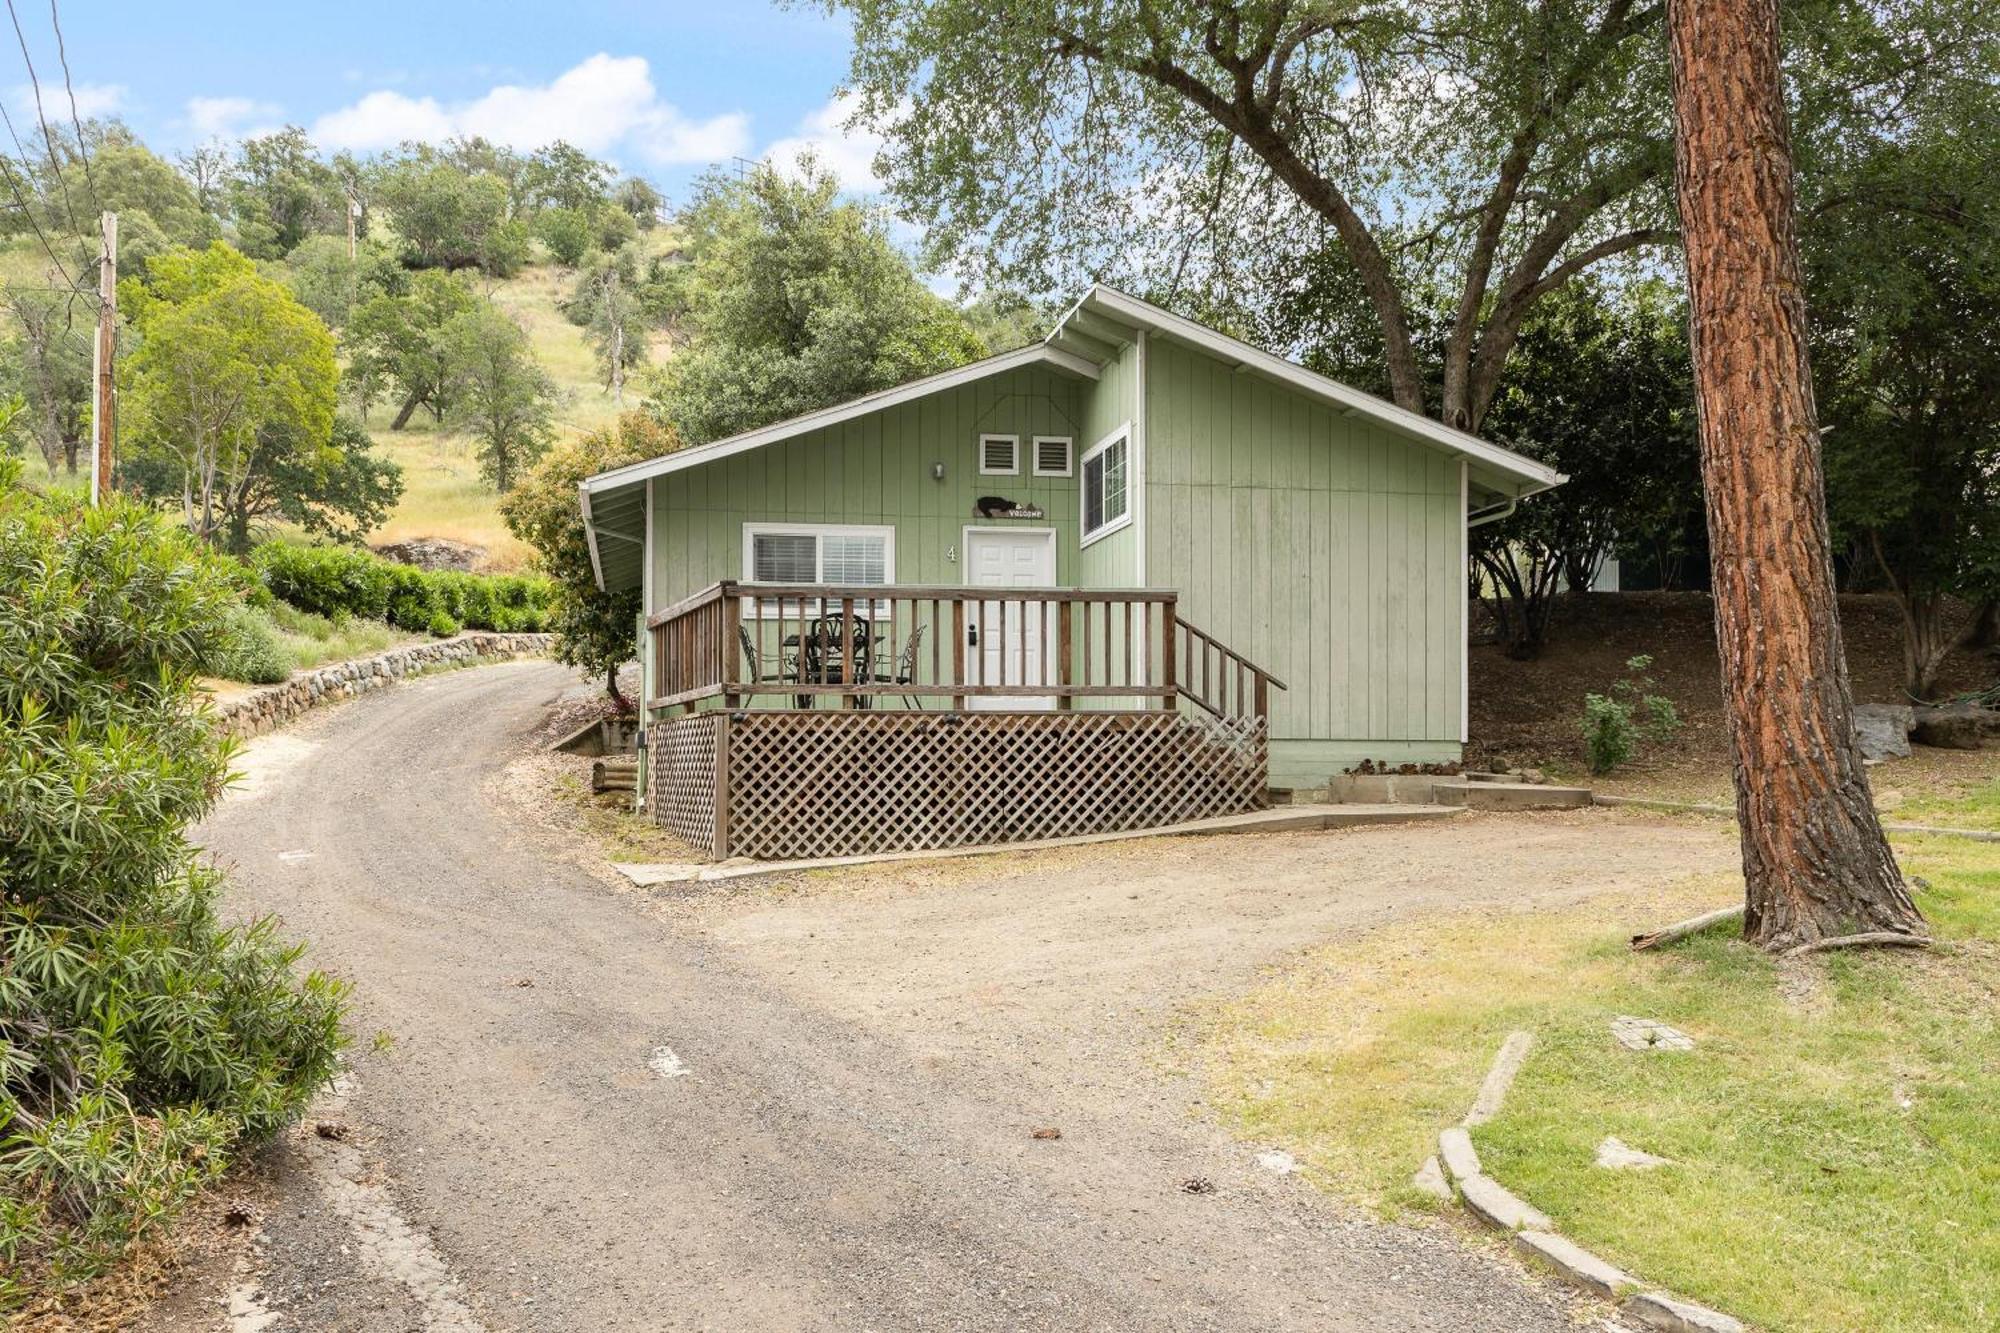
1507	795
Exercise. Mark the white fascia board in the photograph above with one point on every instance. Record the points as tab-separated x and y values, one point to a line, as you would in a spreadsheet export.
590	534
1031	355
1539	476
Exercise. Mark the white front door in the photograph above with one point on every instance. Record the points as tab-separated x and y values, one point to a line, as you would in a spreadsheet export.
1010	639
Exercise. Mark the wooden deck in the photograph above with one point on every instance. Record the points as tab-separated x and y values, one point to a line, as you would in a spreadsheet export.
798	721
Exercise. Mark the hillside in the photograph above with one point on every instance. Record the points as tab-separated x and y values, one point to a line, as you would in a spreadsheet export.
444	495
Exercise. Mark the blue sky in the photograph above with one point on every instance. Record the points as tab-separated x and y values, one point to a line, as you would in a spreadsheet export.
663	88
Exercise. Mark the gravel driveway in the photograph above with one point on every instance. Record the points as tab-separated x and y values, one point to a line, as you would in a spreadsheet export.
812	1104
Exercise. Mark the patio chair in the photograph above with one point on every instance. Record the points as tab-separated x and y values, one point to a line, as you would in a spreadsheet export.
825	649
905	670
786	663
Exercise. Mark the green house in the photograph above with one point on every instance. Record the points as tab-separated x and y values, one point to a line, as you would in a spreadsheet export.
1300	527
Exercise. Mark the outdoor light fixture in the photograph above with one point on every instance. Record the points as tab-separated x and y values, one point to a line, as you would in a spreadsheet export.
937	471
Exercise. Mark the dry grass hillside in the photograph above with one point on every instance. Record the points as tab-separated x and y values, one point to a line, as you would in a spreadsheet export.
444	495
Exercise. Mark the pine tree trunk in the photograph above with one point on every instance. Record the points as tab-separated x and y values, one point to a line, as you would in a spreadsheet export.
1815	861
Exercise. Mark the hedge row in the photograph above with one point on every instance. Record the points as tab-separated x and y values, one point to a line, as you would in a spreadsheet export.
341	581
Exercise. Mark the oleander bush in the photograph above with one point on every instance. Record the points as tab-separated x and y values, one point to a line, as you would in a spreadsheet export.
143	1041
340	581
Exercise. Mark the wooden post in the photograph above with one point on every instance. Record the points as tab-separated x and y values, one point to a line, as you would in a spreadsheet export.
731	649
1169	666
1065	669
103	358
847	652
723	722
958	650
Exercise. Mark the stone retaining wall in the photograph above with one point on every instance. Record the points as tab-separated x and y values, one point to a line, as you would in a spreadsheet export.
275	705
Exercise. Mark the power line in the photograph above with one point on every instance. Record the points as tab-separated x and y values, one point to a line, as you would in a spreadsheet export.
82	149
48	137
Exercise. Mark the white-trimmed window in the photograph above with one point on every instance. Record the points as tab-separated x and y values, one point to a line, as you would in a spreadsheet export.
839	553
1052	455
1104	486
999	455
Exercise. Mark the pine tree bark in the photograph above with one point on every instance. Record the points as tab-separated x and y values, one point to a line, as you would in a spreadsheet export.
1815	861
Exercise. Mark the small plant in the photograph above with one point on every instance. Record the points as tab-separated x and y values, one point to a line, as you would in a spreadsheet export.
250	650
1615	724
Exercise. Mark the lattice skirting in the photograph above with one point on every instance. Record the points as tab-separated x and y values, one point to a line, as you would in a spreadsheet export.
681	759
848	783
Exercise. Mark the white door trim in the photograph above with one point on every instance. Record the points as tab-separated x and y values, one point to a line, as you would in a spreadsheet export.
1048	534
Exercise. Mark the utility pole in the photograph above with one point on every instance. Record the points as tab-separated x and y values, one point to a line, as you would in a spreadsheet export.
103	358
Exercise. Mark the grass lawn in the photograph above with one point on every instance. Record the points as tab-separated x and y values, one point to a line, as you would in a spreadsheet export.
1835	1133
1948	788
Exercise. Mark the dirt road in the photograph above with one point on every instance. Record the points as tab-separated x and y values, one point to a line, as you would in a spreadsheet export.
811	1105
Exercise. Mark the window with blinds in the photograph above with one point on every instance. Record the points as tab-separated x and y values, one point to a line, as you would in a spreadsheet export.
807	553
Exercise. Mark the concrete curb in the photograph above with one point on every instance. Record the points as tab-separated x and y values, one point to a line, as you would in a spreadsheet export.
1729	812
272	707
1534	1234
1281	819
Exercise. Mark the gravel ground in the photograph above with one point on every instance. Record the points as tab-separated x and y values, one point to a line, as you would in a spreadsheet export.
812	1103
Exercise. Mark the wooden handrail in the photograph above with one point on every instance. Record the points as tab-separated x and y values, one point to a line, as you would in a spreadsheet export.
925	592
1210	691
1205	637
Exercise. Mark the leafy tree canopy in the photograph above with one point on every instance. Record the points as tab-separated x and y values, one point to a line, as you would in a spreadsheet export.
595	631
448	217
279	192
796	299
333	286
398	343
228	364
1490	149
1903	287
499	391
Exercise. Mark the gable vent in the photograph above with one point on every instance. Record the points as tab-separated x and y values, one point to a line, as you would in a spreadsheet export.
1052	456
999	455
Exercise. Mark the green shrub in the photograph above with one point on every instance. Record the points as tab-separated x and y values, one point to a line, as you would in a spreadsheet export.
1615	724
330	580
251	652
339	581
442	625
141	1041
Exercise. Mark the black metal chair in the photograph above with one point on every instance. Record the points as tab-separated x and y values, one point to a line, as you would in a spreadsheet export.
833	645
786	663
905	670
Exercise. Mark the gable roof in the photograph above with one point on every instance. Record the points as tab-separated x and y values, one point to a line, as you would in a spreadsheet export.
1106	318
1090	334
614	502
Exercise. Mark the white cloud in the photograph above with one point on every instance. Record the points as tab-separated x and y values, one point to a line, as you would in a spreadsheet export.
231	117
92	100
849	153
605	104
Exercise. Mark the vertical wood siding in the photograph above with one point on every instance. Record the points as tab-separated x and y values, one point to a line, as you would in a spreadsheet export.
877	470
1322	547
1111	562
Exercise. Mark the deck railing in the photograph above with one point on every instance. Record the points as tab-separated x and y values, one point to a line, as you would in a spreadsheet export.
916	646
845	722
